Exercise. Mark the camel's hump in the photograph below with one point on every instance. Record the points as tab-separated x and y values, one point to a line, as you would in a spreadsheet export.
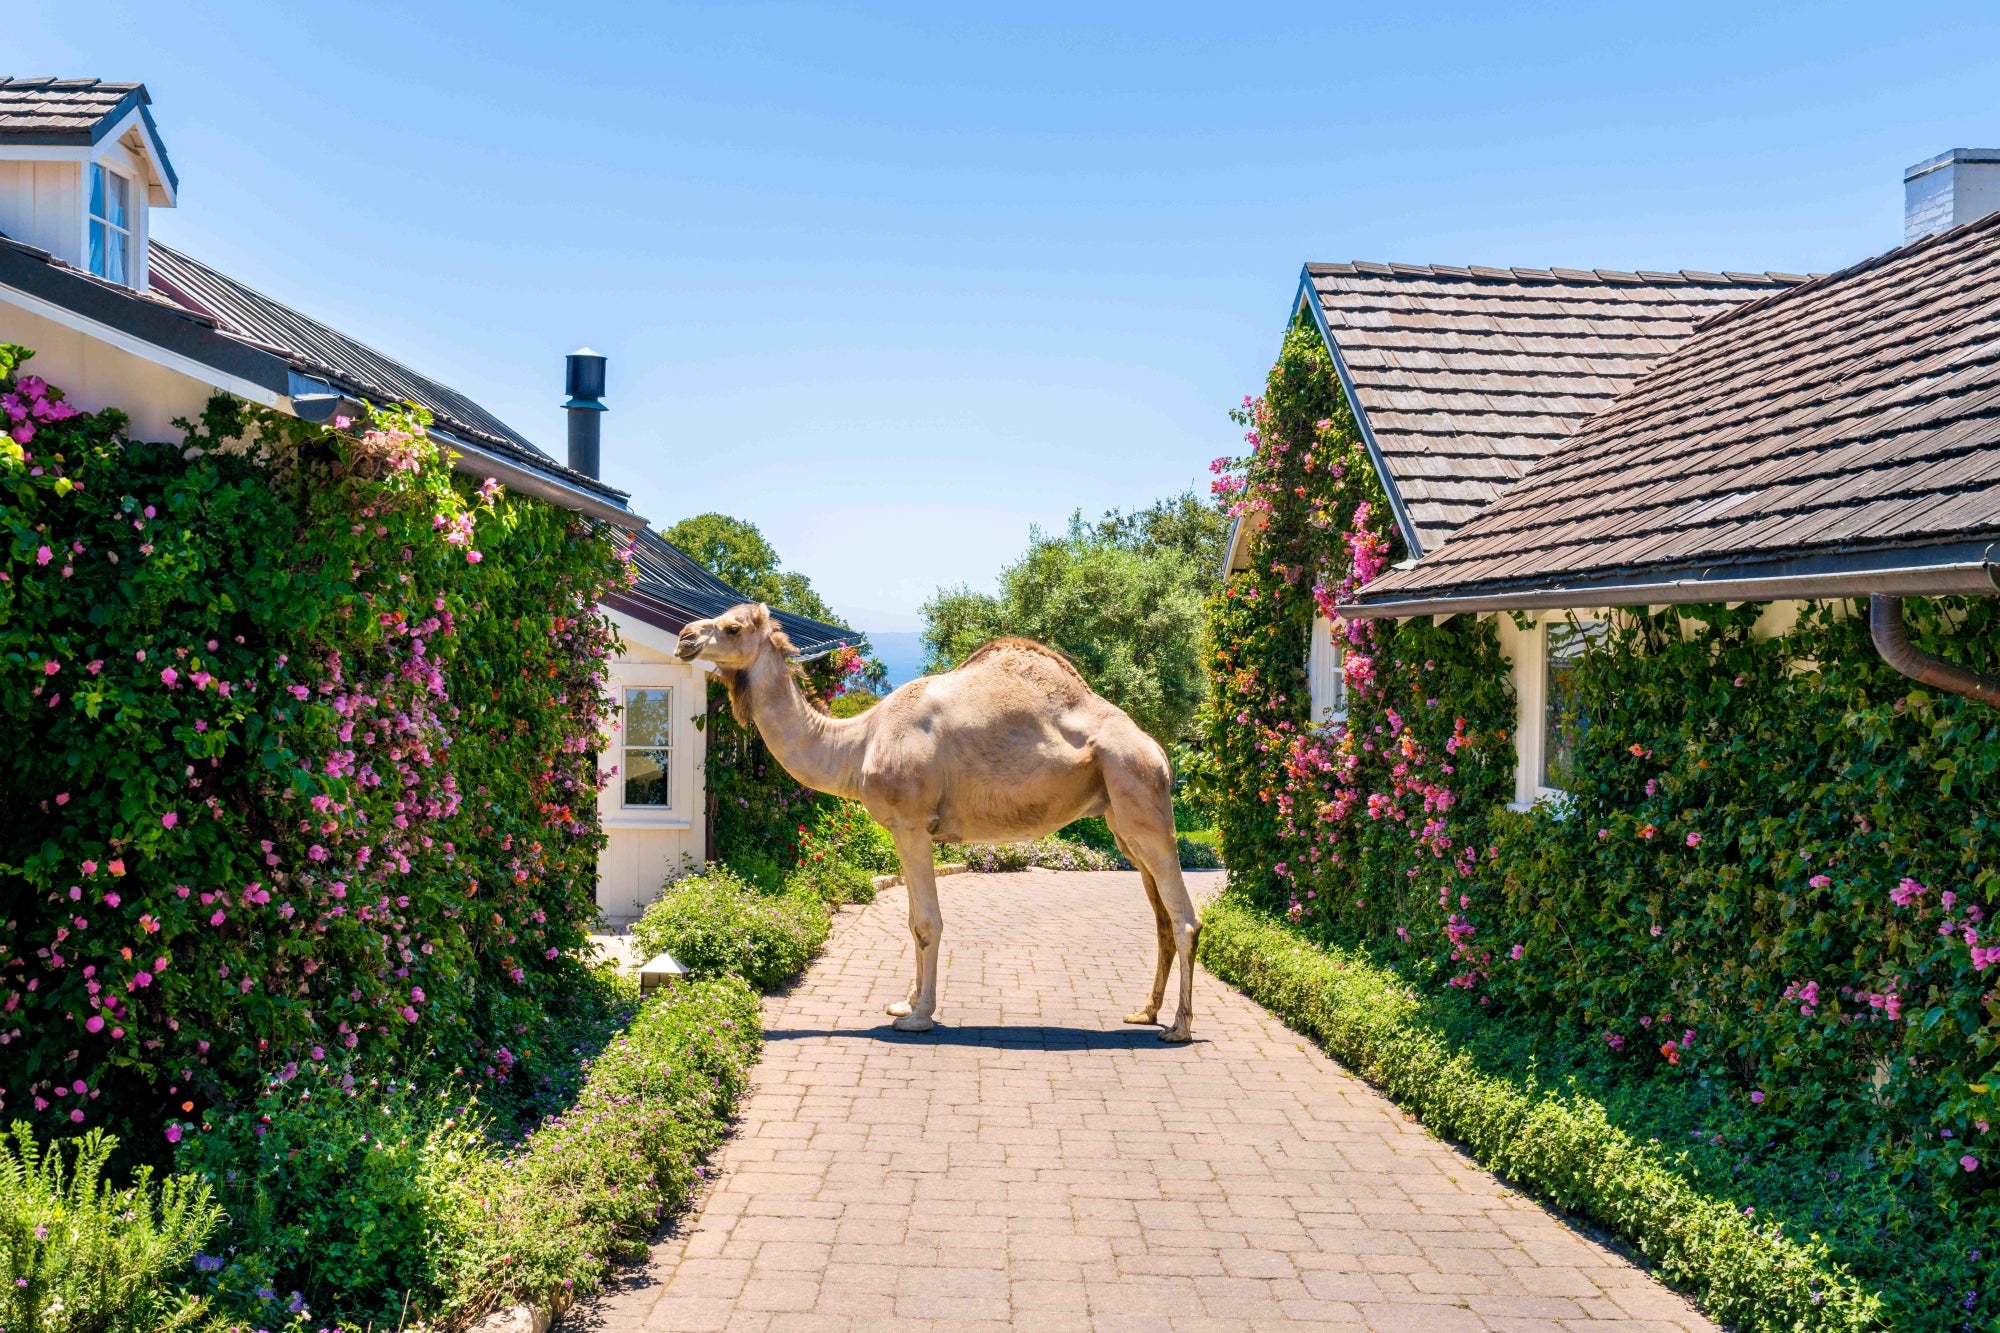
997	649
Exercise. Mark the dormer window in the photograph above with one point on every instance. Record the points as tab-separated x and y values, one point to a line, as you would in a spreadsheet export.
110	225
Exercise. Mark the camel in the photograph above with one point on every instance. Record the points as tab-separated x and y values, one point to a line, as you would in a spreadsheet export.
1010	745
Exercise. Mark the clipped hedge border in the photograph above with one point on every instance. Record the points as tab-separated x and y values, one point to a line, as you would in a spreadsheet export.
543	1224
1558	1145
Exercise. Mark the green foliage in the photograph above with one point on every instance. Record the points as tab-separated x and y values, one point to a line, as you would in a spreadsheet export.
1199	850
845	831
301	732
545	1222
1553	1138
1121	598
1768	880
716	924
337	1193
739	554
77	1256
1044	853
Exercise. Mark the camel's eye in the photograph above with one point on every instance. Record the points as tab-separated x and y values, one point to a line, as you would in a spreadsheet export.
735	629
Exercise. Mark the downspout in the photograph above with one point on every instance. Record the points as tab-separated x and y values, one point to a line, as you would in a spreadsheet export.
1885	626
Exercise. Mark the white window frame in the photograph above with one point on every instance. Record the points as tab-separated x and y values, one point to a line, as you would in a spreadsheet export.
1326	674
613	810
127	234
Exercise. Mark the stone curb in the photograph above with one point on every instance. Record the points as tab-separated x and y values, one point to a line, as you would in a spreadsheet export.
895	881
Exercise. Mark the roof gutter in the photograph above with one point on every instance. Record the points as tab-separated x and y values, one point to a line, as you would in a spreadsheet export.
1404	523
1961	569
477	462
1892	640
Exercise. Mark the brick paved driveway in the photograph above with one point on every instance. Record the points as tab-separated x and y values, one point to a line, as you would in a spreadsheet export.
1036	1164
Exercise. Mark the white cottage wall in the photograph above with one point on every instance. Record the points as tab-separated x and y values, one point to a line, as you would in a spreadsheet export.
647	844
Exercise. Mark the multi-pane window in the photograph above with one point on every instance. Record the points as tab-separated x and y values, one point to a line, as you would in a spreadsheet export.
1326	672
110	225
649	741
1563	718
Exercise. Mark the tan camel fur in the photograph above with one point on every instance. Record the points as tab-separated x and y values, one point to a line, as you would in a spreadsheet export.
1009	746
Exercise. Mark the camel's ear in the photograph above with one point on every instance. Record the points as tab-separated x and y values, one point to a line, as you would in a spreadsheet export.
739	697
762	618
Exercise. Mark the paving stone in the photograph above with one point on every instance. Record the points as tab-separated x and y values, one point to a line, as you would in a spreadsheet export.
1035	1163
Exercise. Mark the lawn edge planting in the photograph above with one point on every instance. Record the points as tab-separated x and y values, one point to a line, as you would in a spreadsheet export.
1557	1145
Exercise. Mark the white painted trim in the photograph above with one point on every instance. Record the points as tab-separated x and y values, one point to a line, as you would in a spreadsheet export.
145	351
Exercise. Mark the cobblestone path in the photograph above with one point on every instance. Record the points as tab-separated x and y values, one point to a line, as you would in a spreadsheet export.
1034	1163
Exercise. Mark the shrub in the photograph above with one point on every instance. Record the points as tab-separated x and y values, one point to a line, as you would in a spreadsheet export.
336	1194
1199	850
715	924
299	755
1045	853
77	1256
588	1187
833	882
1556	1141
844	830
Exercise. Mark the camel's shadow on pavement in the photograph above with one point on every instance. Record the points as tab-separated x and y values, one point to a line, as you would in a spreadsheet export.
1137	1037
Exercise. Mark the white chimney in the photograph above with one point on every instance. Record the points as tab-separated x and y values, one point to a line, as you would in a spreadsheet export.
1948	190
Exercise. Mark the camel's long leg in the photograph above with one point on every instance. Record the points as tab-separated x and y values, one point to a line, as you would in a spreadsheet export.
1142	813
1163	932
913	849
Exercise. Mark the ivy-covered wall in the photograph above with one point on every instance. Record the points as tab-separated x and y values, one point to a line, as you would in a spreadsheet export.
1773	880
300	759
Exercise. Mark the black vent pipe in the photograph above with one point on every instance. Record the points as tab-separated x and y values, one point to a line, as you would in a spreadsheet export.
583	381
1885	626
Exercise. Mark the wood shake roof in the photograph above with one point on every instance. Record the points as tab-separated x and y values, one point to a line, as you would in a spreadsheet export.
1855	418
1464	377
52	111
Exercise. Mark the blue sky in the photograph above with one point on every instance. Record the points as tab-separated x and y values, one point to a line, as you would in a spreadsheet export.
895	282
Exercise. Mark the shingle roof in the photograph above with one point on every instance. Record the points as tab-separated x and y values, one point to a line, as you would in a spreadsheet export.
247	314
48	110
1464	376
1857	413
670	577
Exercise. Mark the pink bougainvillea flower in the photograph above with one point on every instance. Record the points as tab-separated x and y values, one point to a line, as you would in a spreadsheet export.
417	994
218	918
169	819
62	798
95	1023
117	866
1694	839
409	1014
1907	891
44	555
1517	951
1757	1097
90	867
112	900
473	557
1820	881
50	667
1969	1162
173	1133
170	677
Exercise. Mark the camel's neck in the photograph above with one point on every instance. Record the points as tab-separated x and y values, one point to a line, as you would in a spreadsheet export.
822	752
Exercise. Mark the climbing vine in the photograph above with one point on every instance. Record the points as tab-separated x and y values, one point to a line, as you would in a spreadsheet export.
301	758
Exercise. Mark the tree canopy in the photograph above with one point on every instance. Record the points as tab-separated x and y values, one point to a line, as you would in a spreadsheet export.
739	554
1122	596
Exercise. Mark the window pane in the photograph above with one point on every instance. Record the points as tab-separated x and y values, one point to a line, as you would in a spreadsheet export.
97	175
116	245
649	717
1338	644
646	778
100	247
1563	720
116	190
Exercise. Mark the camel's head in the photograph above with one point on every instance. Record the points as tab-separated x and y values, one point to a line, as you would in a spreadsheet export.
732	640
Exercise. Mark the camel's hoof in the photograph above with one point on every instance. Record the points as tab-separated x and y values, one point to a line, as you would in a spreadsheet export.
1178	1033
911	1023
898	1009
1143	1016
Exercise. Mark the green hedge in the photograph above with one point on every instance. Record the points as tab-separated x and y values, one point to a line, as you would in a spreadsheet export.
589	1187
715	924
1556	1142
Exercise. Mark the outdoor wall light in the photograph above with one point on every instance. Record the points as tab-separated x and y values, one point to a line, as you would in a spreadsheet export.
659	972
